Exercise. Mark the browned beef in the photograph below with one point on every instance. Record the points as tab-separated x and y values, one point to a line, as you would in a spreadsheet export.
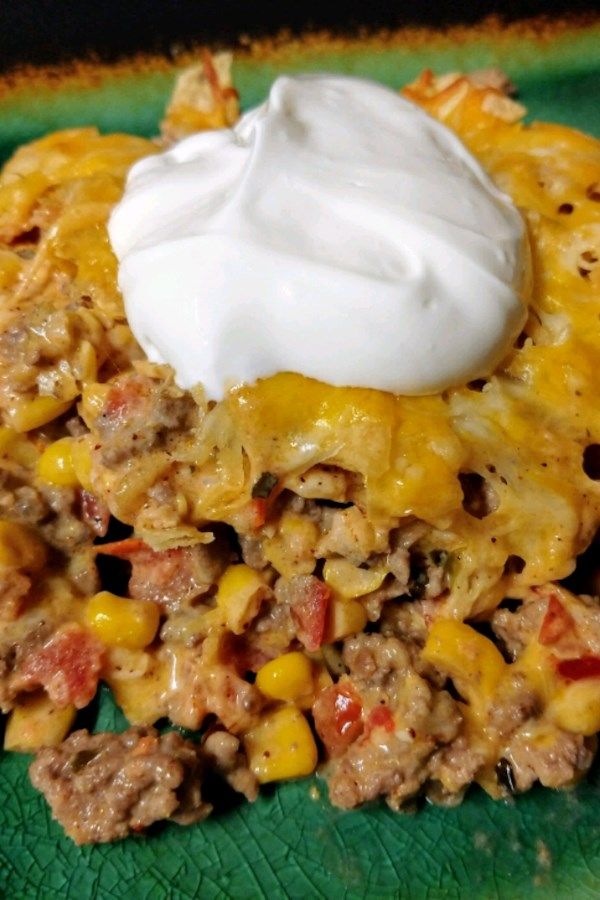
14	588
223	752
18	641
556	759
404	721
138	412
102	787
174	578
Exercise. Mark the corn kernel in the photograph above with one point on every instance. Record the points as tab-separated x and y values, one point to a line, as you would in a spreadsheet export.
81	458
36	722
122	622
29	414
351	581
473	662
576	707
20	547
288	677
239	596
55	465
281	746
345	617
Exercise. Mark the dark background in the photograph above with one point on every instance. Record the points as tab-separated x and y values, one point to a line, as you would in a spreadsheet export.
46	31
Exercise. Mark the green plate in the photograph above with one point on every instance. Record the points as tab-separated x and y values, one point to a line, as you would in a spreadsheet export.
544	844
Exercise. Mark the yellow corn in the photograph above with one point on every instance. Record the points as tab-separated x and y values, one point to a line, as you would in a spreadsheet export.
472	661
345	617
281	746
576	707
350	581
81	458
36	723
29	414
239	596
20	548
288	677
55	465
122	622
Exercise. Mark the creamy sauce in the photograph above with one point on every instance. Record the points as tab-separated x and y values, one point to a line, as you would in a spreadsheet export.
336	231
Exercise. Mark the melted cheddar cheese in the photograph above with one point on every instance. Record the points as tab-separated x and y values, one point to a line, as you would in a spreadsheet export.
522	433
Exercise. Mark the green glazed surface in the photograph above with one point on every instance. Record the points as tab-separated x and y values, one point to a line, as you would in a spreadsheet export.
288	844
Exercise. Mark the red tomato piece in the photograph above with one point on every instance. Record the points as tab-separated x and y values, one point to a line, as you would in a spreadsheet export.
337	712
380	717
163	576
310	613
67	666
259	507
577	669
556	623
219	93
124	397
132	549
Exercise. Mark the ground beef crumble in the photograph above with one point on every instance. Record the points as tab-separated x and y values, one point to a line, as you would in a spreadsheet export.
103	787
403	720
554	757
138	414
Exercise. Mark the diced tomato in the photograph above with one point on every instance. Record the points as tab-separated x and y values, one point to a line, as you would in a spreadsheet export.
130	549
95	513
163	576
67	666
219	93
123	397
310	613
259	509
164	563
337	712
210	73
380	717
557	622
577	669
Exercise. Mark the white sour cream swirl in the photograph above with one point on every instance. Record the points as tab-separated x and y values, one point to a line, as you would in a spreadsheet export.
336	231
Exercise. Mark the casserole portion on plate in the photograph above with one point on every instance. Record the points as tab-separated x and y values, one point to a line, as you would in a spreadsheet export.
298	571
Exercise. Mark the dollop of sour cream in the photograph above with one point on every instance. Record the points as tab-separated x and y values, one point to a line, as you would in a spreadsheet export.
336	231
